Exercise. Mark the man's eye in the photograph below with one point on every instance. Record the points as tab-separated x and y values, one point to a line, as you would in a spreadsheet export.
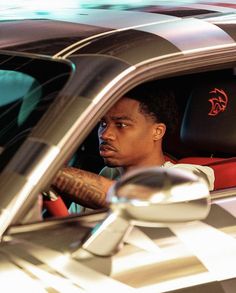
121	125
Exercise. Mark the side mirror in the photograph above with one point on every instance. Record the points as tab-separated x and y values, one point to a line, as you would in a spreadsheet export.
160	195
149	197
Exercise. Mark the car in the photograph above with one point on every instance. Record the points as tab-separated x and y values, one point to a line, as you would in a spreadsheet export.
60	72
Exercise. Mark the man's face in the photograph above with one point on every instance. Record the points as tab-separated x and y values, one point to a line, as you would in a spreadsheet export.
126	135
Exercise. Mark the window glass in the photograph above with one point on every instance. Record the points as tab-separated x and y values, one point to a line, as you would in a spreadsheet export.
27	88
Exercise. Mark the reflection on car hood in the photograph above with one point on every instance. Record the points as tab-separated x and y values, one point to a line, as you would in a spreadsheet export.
153	259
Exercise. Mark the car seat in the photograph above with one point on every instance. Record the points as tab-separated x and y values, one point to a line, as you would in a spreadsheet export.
208	127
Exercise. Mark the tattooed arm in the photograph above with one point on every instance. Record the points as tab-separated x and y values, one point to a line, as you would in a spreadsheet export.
82	187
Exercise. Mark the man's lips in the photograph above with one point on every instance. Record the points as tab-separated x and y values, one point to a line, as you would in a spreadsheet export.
106	149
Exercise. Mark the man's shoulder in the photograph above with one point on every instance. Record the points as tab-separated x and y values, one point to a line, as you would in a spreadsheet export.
205	171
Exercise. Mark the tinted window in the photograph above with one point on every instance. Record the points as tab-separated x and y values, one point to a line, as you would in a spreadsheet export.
27	88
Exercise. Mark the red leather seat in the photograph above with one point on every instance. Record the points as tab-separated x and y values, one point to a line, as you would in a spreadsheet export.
224	169
209	127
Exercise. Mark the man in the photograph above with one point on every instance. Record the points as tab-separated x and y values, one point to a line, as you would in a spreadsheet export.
130	136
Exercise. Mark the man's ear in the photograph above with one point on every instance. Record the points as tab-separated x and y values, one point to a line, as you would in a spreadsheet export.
159	131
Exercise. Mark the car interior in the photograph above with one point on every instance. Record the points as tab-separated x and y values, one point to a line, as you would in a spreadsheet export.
204	135
198	134
207	127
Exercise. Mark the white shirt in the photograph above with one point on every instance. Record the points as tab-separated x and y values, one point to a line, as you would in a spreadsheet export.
205	172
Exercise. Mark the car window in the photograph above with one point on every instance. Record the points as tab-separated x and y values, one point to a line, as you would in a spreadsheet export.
26	92
87	156
20	94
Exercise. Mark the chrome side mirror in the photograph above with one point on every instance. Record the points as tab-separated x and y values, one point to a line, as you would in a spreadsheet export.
149	197
160	195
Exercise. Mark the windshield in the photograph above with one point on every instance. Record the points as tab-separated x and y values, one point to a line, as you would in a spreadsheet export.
27	89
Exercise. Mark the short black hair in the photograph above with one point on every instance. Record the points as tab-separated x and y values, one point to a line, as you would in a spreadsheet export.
157	102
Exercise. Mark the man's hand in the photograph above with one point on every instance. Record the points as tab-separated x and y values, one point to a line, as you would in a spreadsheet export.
85	188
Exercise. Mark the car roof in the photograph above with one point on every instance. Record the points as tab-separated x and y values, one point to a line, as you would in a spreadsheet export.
114	30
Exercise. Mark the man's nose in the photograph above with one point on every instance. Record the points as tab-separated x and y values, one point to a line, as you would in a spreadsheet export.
106	133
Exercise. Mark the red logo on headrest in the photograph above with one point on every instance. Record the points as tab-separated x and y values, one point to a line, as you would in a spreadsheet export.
218	102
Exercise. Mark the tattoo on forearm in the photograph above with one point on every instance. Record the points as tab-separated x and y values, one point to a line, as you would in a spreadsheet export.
83	187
